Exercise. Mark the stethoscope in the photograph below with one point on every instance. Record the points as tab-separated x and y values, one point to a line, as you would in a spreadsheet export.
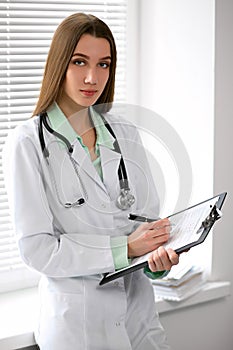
125	199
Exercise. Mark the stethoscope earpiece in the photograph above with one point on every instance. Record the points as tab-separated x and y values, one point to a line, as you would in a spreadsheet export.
78	203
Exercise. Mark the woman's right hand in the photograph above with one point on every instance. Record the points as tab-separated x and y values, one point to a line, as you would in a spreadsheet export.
148	237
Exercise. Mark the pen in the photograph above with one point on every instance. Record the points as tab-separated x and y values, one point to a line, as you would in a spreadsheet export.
140	218
136	217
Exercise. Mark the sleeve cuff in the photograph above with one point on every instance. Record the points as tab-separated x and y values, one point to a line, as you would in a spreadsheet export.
119	246
155	275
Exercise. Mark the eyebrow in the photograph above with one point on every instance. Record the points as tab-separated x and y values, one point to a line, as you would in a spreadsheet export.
87	57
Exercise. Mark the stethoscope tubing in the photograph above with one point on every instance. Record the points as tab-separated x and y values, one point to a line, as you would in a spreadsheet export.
125	199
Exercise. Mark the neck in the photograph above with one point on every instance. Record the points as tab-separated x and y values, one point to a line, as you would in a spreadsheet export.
81	122
78	117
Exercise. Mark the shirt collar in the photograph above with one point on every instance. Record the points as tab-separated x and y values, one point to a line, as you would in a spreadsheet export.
61	124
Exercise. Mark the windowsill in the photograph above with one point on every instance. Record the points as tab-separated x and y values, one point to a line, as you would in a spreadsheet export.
18	311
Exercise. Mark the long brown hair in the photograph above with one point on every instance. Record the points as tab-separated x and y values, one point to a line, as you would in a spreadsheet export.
63	44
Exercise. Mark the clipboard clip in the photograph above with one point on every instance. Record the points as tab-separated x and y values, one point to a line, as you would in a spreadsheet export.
214	215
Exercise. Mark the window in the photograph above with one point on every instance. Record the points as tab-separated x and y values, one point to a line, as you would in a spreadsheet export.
26	29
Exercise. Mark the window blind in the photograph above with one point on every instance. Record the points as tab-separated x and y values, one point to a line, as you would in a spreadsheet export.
26	29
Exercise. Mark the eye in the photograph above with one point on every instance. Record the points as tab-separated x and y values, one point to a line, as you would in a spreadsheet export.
104	65
79	62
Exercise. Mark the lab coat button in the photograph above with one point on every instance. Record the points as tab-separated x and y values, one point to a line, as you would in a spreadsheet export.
116	284
103	205
118	324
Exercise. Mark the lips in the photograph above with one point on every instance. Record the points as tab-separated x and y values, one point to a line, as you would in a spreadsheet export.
88	93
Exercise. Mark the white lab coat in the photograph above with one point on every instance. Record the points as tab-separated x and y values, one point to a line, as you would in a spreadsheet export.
71	247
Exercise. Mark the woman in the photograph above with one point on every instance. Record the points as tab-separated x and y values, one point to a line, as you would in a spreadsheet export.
70	222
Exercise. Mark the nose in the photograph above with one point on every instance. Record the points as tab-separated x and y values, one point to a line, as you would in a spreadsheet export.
91	76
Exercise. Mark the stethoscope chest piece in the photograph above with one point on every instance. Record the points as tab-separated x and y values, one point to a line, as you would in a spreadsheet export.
125	199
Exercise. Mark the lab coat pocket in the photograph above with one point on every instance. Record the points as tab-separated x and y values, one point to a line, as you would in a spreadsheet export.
62	321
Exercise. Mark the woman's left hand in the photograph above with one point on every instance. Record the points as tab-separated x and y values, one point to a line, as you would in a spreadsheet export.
162	259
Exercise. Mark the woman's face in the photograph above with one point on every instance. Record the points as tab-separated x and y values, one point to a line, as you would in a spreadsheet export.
87	74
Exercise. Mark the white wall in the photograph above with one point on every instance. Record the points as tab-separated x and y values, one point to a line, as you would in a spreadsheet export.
176	79
180	46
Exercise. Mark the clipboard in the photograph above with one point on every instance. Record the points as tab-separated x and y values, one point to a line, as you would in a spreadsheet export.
202	215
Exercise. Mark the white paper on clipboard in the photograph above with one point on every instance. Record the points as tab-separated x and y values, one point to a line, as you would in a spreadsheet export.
186	227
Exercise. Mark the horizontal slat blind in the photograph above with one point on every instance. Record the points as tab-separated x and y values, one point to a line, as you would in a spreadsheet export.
26	29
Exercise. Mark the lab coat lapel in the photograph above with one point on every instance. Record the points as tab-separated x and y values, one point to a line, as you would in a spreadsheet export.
110	160
83	160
